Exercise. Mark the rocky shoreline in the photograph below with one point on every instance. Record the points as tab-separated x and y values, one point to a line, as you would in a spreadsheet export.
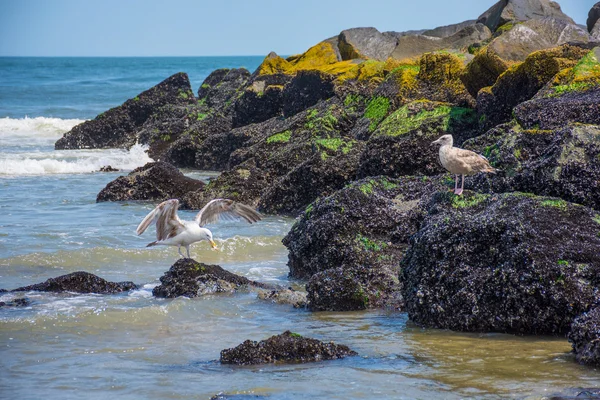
339	137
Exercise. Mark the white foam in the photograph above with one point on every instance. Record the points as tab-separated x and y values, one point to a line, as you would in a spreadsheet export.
71	162
39	126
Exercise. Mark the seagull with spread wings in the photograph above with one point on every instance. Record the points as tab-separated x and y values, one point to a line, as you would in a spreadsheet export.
172	231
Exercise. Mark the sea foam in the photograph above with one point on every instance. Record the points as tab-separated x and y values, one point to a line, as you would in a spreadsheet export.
38	126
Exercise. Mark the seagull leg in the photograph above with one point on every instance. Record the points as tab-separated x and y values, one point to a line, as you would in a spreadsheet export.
179	251
188	251
462	185
455	183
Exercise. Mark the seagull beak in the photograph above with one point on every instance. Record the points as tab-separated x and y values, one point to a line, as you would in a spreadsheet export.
435	142
213	245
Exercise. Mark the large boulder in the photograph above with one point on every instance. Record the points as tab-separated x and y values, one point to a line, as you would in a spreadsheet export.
593	17
506	11
448	30
223	86
585	337
288	347
79	282
349	244
401	145
522	39
190	278
502	263
562	163
483	70
305	90
365	43
261	100
118	127
157	181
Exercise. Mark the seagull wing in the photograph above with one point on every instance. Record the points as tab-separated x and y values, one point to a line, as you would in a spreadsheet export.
473	161
226	208
168	223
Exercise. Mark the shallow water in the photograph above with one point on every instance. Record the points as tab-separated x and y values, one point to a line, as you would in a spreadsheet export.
133	346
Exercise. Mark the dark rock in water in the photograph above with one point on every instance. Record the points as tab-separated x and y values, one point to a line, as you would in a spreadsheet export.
557	111
285	348
190	278
117	127
575	394
20	302
349	244
502	263
522	82
401	145
305	90
284	296
108	168
223	396
154	181
79	282
365	43
585	337
223	86
593	17
506	11
562	163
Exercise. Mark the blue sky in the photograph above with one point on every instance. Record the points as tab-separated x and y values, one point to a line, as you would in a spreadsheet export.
202	28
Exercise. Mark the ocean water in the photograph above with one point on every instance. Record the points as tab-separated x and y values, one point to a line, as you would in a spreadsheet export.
133	346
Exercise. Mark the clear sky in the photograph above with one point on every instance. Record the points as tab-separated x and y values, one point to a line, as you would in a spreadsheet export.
217	27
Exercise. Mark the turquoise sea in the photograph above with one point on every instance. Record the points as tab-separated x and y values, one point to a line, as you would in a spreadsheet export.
133	346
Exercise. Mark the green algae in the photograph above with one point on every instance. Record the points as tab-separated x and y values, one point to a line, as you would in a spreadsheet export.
281	137
469	200
376	111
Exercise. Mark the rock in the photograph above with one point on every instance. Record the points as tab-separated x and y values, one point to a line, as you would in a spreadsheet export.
288	347
517	43
117	127
562	163
417	45
190	278
182	152
223	86
305	90
224	396
506	11
18	302
284	296
79	282
448	30
522	82
585	337
260	101
349	244
365	43
108	168
157	181
401	145
593	17
502	263
555	112
483	70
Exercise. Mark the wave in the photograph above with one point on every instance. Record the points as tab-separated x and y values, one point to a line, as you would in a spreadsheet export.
72	161
40	126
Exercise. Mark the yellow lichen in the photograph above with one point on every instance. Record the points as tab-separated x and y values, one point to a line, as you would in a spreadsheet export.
273	64
319	55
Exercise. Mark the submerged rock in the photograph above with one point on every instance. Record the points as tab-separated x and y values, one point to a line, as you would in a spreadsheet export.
585	337
284	296
117	127
285	348
79	282
349	244
18	302
154	181
108	168
503	263
190	278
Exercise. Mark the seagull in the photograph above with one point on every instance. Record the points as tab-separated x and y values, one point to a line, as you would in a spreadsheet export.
172	231
461	162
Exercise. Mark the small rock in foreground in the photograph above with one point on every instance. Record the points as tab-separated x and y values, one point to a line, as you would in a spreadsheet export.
288	347
79	282
585	337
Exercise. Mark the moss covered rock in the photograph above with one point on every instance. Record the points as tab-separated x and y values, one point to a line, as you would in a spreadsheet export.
483	70
79	282
503	263
401	144
563	163
349	244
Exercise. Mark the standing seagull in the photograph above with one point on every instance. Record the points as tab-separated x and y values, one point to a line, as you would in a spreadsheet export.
461	162
172	231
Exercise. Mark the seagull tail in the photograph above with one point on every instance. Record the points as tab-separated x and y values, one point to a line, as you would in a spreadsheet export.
151	244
